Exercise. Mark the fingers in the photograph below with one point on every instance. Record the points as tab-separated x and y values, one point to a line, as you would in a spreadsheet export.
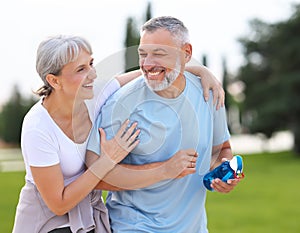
186	171
122	143
128	133
221	99
224	187
133	141
123	128
182	163
206	93
218	96
192	156
102	135
224	160
193	160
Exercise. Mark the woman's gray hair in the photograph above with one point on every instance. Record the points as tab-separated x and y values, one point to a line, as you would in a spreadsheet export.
54	53
171	24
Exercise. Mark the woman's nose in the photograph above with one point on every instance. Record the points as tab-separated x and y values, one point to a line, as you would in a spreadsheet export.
92	73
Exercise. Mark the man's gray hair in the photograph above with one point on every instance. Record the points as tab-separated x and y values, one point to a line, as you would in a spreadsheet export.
54	53
169	23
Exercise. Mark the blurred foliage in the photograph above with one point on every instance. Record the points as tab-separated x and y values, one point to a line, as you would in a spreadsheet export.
132	40
271	75
11	117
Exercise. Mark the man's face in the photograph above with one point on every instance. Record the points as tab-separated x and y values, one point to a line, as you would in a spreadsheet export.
160	58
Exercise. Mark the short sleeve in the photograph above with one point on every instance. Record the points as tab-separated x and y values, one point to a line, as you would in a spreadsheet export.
94	139
39	149
101	97
221	132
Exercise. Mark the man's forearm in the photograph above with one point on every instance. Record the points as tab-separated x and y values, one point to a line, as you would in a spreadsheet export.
220	152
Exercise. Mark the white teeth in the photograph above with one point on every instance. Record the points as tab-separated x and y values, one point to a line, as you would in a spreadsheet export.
88	85
154	73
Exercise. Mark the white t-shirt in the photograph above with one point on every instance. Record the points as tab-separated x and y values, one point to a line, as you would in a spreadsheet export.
44	144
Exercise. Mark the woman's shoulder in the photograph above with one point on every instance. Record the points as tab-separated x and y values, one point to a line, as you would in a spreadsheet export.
36	118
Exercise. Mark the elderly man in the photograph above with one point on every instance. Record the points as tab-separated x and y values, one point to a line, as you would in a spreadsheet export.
172	115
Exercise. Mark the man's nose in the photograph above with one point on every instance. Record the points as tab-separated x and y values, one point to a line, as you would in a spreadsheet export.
148	62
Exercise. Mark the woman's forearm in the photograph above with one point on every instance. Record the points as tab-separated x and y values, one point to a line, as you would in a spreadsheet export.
127	77
130	177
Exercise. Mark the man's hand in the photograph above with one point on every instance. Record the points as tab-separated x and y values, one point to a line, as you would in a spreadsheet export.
224	187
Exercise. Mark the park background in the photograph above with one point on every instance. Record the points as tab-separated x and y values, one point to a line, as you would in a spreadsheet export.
251	46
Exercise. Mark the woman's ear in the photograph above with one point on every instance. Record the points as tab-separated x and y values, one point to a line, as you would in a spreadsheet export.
53	81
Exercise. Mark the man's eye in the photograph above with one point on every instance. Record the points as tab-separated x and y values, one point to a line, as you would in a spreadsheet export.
142	54
159	54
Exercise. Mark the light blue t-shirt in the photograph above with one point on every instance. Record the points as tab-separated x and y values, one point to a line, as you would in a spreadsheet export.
167	125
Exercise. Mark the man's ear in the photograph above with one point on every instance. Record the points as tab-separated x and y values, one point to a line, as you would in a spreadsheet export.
53	81
187	50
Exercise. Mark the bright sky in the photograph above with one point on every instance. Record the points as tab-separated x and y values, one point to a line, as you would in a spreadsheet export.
214	28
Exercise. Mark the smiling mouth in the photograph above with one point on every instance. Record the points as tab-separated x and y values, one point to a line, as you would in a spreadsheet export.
153	75
90	85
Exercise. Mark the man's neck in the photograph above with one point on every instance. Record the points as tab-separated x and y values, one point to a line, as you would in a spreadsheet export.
175	89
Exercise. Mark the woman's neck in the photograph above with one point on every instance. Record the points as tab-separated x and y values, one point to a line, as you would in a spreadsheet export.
71	117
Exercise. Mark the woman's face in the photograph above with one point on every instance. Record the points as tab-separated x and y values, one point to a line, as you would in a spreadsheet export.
77	77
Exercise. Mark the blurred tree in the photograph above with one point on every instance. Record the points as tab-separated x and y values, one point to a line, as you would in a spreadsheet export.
132	40
226	82
204	60
11	117
272	77
148	14
229	101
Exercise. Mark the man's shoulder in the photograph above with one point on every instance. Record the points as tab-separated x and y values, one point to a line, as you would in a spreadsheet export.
131	88
193	78
194	81
128	92
195	87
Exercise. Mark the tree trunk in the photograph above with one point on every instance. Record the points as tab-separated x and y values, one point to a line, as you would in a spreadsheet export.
296	132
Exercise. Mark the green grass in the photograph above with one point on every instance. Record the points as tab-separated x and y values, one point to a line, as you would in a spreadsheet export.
10	186
266	201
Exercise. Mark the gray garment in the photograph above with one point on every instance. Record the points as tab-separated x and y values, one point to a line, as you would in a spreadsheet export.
34	216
